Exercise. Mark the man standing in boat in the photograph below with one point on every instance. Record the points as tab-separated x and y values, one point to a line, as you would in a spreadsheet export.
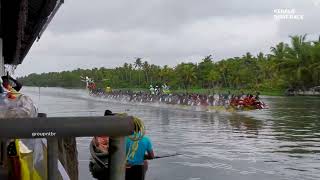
137	164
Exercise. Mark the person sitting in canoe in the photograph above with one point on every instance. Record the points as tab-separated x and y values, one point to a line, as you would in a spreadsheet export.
99	150
102	142
137	166
234	101
248	100
258	103
257	97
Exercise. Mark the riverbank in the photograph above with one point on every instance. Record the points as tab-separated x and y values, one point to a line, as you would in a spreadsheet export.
265	92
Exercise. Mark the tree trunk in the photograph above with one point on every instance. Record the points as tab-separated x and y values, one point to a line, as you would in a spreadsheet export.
146	77
224	79
139	78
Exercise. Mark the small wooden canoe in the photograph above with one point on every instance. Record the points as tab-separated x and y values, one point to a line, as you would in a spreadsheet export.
98	165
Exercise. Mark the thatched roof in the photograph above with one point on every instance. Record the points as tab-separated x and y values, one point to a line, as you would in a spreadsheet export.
21	23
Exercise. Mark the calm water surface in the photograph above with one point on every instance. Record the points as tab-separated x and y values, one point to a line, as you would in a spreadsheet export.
282	142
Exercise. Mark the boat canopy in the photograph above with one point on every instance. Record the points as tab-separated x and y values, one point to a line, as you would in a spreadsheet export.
22	22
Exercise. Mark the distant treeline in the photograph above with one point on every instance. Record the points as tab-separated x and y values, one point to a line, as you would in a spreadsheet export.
294	65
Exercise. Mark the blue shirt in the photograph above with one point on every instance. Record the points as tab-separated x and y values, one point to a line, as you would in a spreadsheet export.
143	147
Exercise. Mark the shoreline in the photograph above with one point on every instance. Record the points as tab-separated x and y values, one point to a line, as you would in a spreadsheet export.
209	91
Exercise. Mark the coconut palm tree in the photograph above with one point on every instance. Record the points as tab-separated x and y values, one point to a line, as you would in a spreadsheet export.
187	74
213	77
130	67
279	52
166	74
138	65
125	68
203	70
146	68
299	56
223	68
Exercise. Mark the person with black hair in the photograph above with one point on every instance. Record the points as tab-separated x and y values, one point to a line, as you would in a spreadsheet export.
6	82
100	153
137	165
102	142
108	113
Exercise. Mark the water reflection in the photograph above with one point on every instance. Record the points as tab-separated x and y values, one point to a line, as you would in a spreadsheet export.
164	116
297	125
245	124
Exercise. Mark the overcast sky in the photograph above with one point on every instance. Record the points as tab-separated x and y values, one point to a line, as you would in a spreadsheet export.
101	33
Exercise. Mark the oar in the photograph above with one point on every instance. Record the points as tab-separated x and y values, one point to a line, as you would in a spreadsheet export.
165	156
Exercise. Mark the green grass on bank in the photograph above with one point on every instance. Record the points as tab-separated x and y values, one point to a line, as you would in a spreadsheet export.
266	92
233	91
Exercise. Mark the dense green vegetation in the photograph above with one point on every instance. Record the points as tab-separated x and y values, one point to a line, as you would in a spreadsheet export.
295	65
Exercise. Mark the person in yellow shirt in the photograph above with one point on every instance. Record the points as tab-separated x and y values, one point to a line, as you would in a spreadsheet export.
108	89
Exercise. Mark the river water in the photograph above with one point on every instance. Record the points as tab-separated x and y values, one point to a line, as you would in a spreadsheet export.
282	142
